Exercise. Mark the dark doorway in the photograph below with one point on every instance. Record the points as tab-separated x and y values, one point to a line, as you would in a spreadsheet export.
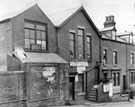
124	82
72	88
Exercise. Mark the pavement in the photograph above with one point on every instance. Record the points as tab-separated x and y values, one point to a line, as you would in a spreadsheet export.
84	103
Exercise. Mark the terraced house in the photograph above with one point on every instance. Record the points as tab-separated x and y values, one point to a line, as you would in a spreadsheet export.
118	52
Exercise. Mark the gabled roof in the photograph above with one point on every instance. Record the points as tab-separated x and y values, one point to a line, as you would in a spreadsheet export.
60	19
107	29
18	12
14	13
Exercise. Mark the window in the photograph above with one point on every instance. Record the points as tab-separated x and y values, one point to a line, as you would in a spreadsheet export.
89	47
81	43
132	59
132	77
104	56
72	45
35	36
116	78
115	57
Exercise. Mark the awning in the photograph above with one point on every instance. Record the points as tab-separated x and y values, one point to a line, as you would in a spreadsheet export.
32	57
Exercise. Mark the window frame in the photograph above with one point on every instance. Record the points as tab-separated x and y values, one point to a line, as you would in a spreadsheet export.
116	78
74	43
35	29
90	44
132	58
83	42
115	58
105	50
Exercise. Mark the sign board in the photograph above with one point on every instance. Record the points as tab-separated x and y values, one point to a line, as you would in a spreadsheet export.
48	71
110	89
81	69
73	63
106	88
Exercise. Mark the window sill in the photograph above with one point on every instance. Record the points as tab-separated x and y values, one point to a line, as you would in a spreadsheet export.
115	65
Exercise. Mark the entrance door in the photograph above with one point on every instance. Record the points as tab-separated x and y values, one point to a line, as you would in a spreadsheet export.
72	88
124	82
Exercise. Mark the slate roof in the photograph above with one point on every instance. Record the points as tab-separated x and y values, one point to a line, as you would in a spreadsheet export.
14	13
59	17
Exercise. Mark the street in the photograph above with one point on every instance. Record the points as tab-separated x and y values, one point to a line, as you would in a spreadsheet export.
114	104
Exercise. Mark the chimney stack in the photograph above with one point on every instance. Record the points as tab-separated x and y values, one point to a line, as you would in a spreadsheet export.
109	21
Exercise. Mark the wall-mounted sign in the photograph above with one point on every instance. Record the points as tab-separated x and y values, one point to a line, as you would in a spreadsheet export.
48	71
73	63
81	69
106	88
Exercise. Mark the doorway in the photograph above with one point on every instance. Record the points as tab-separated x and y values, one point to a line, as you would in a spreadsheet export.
72	88
124	82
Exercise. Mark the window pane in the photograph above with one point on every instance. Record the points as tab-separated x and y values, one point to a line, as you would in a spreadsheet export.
26	33
80	39
27	43
40	27
38	35
80	31
32	41
29	25
71	36
32	34
38	41
43	44
88	39
43	36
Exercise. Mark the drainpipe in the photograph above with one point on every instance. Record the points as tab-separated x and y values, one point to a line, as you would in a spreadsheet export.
127	79
100	52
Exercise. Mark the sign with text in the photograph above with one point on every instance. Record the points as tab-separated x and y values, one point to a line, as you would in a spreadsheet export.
73	63
80	69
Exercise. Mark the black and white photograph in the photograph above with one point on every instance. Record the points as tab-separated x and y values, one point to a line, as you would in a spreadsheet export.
67	53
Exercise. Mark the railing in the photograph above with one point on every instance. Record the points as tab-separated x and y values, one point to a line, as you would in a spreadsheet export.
89	74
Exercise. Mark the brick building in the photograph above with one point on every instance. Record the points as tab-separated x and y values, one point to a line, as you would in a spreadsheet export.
117	56
79	44
28	49
68	59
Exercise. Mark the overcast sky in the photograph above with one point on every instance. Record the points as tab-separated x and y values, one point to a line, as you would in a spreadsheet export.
123	10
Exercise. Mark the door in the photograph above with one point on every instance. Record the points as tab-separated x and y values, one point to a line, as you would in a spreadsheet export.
72	88
124	82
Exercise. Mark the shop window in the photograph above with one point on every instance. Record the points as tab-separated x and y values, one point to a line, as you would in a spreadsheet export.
35	36
89	47
80	43
72	45
116	78
43	82
81	82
